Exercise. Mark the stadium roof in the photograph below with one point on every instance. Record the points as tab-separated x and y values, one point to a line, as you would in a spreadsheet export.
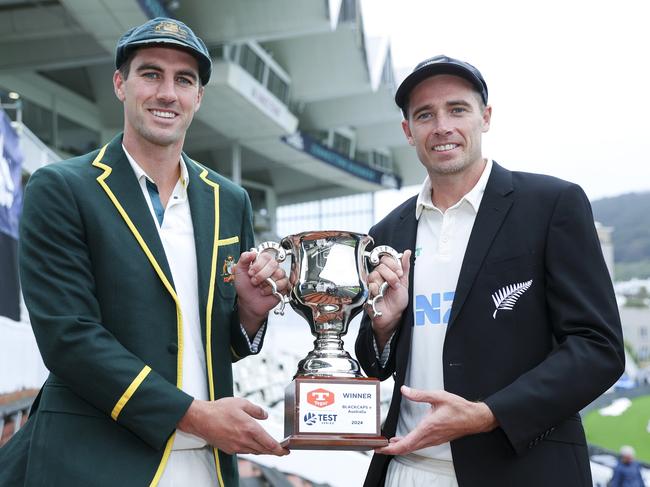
299	104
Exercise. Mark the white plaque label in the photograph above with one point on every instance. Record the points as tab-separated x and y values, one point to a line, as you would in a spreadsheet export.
337	408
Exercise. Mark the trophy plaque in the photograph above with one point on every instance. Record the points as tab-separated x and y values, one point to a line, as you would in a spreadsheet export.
330	404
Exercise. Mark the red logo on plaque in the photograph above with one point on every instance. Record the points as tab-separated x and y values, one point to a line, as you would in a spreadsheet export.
320	398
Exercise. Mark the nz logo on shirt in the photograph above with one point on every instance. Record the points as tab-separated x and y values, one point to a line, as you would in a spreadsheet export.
434	309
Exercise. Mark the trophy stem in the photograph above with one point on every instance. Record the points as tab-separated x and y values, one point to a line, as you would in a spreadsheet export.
328	359
330	341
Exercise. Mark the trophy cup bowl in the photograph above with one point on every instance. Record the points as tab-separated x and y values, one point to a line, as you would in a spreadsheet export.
330	404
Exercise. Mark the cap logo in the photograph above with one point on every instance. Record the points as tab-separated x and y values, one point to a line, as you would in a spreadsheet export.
170	28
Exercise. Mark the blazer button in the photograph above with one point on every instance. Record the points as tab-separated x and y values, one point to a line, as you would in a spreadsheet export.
172	348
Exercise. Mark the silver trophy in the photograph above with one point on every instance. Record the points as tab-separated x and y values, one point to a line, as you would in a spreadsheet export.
328	287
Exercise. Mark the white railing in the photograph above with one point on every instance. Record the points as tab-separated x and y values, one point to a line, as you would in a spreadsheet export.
21	366
35	152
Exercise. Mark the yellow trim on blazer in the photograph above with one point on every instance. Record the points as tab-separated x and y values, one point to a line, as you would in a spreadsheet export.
227	241
179	318
163	461
208	313
129	392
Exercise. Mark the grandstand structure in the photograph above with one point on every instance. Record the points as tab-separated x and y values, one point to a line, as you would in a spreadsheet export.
299	107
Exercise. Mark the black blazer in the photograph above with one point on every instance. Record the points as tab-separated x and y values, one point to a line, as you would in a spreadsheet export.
536	365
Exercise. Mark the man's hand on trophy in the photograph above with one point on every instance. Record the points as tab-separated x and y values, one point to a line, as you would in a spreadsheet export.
254	293
395	297
230	425
449	417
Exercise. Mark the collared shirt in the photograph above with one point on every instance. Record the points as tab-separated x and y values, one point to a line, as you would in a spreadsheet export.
442	238
473	197
176	231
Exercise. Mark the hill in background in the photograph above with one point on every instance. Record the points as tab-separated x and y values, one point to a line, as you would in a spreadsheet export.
629	215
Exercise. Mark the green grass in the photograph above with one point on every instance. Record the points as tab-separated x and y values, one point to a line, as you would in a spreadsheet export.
629	428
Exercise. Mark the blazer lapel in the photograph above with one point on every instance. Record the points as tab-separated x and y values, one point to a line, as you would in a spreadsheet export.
118	181
495	205
203	195
405	237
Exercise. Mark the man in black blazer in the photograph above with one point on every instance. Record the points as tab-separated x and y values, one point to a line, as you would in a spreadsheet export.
503	324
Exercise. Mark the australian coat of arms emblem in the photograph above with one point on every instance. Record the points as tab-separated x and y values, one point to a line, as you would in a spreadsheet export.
228	269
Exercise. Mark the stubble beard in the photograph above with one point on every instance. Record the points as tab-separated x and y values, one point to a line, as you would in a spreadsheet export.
161	138
454	166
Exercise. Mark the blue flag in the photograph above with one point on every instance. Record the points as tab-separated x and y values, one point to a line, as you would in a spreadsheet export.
11	194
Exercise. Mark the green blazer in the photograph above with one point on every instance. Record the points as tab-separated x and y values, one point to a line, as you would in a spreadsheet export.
107	320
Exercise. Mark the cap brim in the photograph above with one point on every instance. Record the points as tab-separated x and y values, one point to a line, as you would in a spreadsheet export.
161	40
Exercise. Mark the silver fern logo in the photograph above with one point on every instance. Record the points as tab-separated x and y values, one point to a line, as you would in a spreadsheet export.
506	297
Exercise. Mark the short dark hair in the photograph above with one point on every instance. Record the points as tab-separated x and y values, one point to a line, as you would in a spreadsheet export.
125	68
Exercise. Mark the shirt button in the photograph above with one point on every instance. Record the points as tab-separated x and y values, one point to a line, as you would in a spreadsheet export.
172	348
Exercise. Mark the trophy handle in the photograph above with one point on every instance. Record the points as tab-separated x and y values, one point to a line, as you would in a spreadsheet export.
375	257
280	256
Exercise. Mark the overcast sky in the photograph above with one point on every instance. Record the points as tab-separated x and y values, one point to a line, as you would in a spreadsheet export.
569	81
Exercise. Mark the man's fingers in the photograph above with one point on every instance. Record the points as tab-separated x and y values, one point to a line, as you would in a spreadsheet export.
410	443
282	283
393	264
267	445
257	440
263	267
396	446
254	410
418	395
373	288
252	260
246	258
406	265
383	273
413	441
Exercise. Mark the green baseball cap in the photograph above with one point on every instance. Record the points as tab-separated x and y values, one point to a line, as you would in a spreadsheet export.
165	31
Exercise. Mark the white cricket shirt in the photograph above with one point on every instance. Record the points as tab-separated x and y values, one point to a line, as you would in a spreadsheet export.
441	243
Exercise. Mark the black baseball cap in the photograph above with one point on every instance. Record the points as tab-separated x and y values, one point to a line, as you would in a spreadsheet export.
163	30
440	65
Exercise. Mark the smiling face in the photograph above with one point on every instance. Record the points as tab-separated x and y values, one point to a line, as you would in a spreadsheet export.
160	95
446	120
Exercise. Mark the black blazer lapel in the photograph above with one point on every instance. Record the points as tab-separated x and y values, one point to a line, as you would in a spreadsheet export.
405	237
115	176
495	205
401	234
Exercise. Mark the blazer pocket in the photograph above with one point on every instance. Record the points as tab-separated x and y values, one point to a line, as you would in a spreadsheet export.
227	257
60	399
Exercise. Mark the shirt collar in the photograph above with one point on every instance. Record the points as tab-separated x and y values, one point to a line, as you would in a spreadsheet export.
473	196
140	173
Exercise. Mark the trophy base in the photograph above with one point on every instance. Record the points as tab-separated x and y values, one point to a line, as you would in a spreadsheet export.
333	442
332	413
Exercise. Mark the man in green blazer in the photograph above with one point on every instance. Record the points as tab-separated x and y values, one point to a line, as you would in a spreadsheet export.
127	265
